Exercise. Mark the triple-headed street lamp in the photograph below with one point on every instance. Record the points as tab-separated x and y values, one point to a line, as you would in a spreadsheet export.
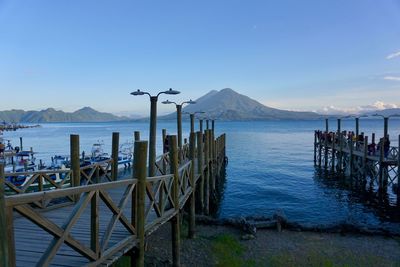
179	117
192	118
153	125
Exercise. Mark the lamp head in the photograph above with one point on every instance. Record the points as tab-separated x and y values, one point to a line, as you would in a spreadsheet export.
189	102
137	92
171	92
167	102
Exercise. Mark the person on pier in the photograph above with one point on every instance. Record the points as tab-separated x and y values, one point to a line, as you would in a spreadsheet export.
386	146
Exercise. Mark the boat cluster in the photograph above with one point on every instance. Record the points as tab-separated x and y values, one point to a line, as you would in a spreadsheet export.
16	160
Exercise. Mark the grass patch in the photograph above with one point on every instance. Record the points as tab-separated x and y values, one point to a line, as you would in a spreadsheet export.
228	252
183	227
124	261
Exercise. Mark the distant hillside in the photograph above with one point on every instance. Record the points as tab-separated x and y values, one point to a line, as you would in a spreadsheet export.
85	114
385	112
227	104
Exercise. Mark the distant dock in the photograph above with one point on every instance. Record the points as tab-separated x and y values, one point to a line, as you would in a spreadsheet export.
13	127
372	164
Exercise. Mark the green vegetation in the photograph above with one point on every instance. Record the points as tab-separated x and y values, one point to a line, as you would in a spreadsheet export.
124	261
229	252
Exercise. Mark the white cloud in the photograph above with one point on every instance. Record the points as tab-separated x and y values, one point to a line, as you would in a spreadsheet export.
391	78
378	105
397	54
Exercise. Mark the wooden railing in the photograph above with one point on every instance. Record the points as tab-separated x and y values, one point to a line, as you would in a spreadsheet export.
160	205
89	195
40	181
163	163
105	208
96	172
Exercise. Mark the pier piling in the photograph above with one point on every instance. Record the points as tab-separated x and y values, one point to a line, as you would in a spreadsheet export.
137	135
140	159
200	165
75	163
4	247
192	200
207	173
114	155
175	225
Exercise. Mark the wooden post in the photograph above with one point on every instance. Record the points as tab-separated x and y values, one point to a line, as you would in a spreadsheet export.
201	126
4	257
385	127
398	173
326	125
137	135
114	156
207	173
351	157
373	138
164	136
94	224
7	242
333	150
173	154
192	200
357	127
213	157
207	124
339	122
315	147
381	158
140	159
365	156
200	166
326	149
75	163
340	160
192	122
319	151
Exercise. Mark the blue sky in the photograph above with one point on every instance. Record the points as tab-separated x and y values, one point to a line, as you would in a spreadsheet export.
298	55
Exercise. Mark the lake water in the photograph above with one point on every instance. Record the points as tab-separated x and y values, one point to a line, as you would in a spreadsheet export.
270	168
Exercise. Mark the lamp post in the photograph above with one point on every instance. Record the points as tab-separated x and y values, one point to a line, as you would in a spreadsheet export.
192	118
386	122
153	125
179	117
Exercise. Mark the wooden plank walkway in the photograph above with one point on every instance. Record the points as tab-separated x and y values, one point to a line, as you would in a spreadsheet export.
100	225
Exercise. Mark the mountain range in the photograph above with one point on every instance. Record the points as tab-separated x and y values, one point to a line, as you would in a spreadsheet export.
225	104
85	114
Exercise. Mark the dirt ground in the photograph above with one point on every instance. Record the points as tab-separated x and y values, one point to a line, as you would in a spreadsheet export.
227	246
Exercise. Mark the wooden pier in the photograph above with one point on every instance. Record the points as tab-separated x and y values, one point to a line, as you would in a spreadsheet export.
96	215
375	166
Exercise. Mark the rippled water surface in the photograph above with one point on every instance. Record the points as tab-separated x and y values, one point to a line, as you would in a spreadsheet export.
270	168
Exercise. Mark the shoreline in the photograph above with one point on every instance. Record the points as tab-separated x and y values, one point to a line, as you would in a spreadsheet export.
228	243
229	246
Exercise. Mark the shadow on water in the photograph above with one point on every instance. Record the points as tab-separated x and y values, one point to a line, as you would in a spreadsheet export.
381	201
218	195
